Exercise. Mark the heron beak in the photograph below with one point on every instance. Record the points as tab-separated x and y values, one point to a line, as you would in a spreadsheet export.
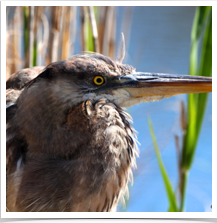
149	84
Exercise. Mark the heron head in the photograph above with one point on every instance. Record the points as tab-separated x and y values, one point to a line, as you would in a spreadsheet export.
94	76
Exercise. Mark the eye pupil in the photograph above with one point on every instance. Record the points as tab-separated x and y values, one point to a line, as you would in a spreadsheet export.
99	80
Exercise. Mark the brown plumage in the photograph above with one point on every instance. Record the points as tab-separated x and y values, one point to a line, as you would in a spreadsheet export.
70	145
19	79
66	155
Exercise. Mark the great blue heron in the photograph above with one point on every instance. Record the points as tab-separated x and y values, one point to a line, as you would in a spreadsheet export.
70	145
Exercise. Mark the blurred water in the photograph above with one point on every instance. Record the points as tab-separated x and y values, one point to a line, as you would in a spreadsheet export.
159	41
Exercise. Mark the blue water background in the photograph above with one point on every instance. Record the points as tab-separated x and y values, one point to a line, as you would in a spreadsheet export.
159	41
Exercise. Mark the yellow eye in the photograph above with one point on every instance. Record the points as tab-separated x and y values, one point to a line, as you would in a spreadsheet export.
98	80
